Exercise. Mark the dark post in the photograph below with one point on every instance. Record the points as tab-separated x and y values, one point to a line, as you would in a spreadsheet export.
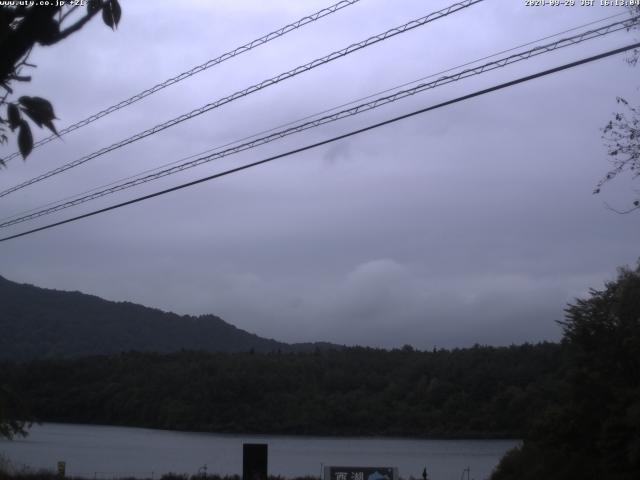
254	461
62	466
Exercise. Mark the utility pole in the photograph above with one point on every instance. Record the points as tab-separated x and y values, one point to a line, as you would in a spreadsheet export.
467	471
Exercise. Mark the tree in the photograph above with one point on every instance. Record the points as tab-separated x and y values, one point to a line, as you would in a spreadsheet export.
594	432
22	27
622	137
14	419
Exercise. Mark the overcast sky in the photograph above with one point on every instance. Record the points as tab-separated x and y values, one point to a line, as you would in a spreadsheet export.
472	223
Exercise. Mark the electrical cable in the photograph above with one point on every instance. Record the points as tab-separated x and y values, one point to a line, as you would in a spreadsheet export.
307	117
333	139
542	49
254	88
195	70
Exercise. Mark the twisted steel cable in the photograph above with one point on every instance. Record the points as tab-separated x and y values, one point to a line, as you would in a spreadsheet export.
332	139
363	107
252	89
195	70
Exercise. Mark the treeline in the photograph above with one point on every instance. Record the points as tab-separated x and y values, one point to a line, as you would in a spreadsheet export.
476	392
9	474
593	431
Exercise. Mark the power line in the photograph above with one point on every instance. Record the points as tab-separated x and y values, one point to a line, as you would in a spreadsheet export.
272	129
542	49
254	88
307	117
195	70
333	139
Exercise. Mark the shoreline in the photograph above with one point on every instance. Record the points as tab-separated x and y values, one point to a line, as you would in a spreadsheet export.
335	436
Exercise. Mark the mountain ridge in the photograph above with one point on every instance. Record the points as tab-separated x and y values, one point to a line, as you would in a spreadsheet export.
40	323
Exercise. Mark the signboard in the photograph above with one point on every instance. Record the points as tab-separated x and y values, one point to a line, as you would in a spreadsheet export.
254	461
360	473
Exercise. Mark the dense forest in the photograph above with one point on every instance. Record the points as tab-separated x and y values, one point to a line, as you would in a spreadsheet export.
43	323
593	432
475	392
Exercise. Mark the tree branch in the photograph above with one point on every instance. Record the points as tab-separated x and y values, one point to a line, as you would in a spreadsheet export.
621	212
66	14
20	78
76	26
19	41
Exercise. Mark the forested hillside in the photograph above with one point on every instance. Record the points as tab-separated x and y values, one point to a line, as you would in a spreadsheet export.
476	392
593	432
41	323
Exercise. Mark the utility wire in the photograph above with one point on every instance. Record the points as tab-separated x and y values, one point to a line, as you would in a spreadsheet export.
293	122
254	88
359	109
195	70
542	49
333	139
307	117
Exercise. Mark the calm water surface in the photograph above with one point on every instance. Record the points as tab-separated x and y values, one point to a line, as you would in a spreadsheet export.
107	452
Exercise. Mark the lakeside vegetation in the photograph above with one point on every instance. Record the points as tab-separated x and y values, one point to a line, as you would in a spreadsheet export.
593	432
8	473
480	392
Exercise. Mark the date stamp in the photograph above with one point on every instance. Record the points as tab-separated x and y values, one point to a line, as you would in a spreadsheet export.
581	3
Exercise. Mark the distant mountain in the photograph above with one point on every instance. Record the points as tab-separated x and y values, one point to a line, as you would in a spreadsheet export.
43	323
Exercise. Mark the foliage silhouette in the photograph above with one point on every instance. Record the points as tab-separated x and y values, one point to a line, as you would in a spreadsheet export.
22	27
622	138
476	392
594	432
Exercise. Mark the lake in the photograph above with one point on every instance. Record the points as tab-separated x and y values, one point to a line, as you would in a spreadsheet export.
108	452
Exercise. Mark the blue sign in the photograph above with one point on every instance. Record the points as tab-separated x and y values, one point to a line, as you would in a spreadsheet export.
360	473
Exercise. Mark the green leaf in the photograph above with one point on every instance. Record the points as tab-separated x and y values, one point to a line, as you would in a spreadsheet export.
40	111
111	13
25	139
13	115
